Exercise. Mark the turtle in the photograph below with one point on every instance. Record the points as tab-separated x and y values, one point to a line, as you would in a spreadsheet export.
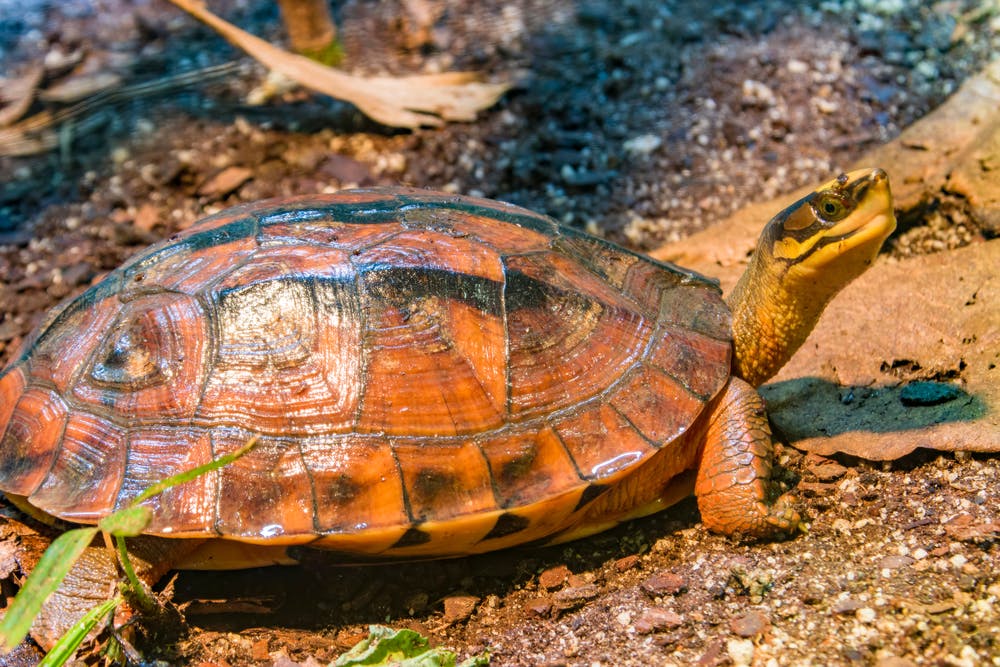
427	375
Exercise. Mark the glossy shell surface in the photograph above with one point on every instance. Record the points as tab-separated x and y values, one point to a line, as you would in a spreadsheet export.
426	373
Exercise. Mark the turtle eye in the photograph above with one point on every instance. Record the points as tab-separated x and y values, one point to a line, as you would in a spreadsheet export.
831	207
127	359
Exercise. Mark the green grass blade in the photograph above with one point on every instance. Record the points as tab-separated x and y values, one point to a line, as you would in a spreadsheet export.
52	568
127	522
69	642
188	475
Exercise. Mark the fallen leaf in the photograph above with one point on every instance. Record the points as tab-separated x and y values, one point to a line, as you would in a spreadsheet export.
224	182
412	101
18	94
80	86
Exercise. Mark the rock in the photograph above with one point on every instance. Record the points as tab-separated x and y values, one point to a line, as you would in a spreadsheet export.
259	651
664	583
740	651
626	563
539	606
146	217
894	562
554	577
824	469
225	182
655	619
459	607
751	624
573	597
893	661
846	606
928	393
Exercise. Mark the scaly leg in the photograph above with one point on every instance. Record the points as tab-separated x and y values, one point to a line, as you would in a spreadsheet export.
734	486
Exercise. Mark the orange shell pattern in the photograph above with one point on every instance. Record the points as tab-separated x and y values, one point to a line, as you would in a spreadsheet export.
419	368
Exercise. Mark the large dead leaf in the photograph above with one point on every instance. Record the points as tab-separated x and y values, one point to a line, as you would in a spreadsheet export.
16	95
908	355
404	102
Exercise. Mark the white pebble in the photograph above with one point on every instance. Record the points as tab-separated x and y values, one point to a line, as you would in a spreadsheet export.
644	144
740	651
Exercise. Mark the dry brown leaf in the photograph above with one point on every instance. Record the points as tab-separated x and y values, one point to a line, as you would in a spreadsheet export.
404	102
18	94
30	136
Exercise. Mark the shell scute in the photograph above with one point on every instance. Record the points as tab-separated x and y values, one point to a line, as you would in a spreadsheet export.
601	441
444	479
150	363
352	498
86	475
529	465
280	505
569	336
158	452
659	406
285	356
31	440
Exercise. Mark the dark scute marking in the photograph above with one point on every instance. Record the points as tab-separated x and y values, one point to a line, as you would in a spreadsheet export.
507	524
429	482
512	470
341	489
401	286
239	229
590	494
353	213
524	291
395	203
515	215
411	538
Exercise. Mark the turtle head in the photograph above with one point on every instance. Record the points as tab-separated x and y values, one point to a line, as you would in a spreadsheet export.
832	235
805	255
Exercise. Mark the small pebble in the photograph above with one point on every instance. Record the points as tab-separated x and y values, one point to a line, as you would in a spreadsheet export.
626	563
539	606
865	614
740	651
895	562
459	607
554	577
750	624
644	144
846	605
573	597
917	394
664	583
656	619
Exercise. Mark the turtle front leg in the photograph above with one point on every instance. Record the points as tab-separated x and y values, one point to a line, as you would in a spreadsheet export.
733	486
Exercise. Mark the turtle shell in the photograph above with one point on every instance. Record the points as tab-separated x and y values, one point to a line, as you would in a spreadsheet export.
426	374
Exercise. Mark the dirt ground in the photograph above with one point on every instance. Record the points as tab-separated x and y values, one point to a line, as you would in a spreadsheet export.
640	121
